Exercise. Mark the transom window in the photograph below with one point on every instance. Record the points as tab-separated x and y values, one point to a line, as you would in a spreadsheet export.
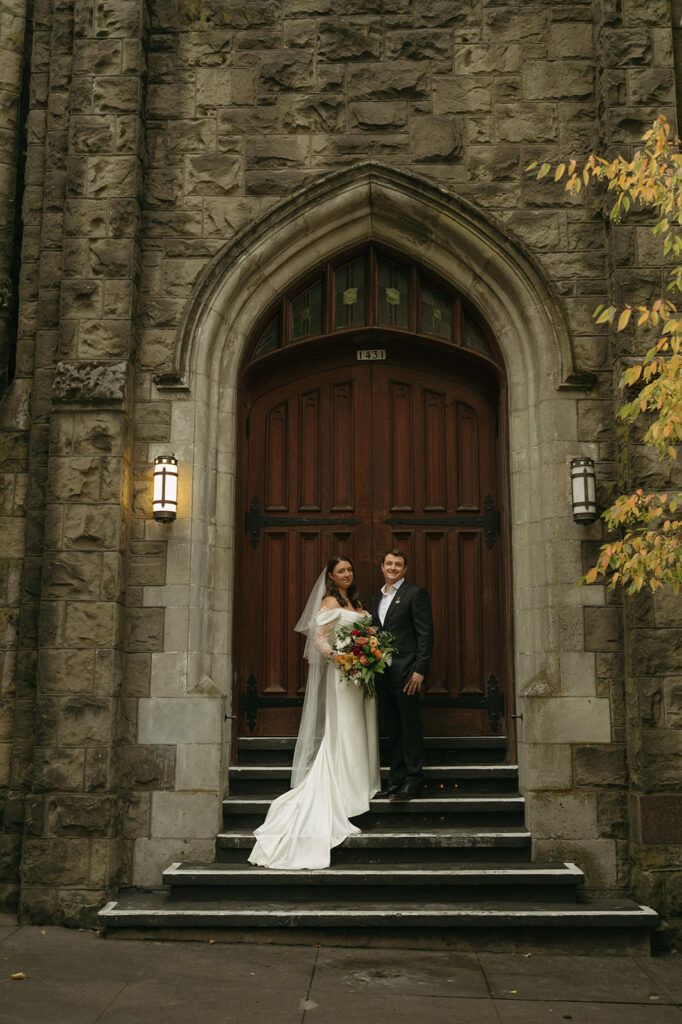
372	288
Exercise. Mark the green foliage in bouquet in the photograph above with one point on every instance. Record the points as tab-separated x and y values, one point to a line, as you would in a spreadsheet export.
362	652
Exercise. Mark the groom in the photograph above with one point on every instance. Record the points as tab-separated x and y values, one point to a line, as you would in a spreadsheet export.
405	611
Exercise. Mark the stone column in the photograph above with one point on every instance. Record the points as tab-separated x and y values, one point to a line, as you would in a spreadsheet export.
13	408
72	851
23	445
637	82
12	32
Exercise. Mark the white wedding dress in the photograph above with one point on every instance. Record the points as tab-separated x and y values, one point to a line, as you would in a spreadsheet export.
304	824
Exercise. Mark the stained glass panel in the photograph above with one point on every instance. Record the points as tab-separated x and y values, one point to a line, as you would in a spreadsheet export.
270	340
349	284
474	337
393	294
436	311
307	313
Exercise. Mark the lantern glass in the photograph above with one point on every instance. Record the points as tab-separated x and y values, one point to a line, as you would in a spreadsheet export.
583	490
165	500
591	489
579	490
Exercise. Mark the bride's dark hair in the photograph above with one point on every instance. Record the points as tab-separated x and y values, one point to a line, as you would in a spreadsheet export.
333	590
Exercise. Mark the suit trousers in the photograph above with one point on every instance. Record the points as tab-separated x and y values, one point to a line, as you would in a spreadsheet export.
403	721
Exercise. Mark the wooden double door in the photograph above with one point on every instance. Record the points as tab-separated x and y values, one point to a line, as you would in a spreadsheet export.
348	457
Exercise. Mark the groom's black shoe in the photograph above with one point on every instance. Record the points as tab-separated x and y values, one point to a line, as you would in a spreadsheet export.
388	790
408	791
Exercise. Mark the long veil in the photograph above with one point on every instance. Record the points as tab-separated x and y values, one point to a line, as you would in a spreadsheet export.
311	730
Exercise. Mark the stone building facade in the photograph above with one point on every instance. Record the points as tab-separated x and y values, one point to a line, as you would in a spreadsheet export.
166	173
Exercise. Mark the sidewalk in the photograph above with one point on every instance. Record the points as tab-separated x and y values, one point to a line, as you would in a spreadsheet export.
78	977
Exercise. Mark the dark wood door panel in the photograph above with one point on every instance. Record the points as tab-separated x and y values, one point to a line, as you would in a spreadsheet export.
355	458
450	451
304	448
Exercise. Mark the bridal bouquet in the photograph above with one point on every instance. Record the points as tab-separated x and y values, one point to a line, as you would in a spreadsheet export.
361	652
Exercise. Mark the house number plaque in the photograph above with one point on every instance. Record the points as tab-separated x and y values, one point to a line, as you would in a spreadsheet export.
370	355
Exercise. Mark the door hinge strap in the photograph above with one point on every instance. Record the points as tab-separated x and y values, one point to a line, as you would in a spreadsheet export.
490	520
252	702
491	701
254	521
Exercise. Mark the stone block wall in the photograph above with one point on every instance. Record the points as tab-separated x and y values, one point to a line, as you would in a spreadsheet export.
64	812
14	407
639	648
13	24
154	139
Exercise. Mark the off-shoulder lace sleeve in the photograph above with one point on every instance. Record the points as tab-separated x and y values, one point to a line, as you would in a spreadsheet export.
323	638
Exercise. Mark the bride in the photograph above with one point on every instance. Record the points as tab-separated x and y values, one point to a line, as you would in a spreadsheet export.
336	761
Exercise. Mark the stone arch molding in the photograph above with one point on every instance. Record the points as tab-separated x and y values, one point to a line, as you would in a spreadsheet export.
191	679
480	257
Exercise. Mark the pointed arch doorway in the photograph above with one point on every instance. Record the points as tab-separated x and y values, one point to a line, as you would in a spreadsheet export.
371	411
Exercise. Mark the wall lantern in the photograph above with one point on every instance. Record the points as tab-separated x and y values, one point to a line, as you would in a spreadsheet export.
165	502
583	490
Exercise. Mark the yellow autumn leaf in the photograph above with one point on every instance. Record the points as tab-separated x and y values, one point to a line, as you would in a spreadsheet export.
623	318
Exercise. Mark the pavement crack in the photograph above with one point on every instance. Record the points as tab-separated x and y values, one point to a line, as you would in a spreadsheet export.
490	991
111	1002
305	1002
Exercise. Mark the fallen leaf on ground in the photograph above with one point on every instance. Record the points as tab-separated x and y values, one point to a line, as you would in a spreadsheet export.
19	976
527	955
513	991
308	1004
211	942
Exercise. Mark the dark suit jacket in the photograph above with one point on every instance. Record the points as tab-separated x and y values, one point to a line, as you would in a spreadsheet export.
410	621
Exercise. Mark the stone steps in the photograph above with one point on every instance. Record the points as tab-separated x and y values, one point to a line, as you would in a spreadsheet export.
388	845
278	750
439	873
484	810
454	864
444	779
616	926
388	881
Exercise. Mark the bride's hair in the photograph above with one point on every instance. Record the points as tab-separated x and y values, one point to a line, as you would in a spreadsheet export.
333	590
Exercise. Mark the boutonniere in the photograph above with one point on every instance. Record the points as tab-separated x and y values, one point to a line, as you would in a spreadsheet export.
397	600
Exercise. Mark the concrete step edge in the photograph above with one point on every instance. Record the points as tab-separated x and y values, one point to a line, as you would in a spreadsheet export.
217	873
392	915
426	803
284	771
268	742
243	839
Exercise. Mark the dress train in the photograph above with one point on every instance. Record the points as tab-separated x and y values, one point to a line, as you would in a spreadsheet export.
303	825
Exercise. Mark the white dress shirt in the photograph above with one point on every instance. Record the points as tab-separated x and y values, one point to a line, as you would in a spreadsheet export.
387	595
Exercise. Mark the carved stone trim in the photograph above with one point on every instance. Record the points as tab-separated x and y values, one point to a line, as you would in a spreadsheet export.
171	383
91	381
578	382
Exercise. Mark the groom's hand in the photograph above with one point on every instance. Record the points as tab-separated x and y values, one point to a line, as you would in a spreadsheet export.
413	684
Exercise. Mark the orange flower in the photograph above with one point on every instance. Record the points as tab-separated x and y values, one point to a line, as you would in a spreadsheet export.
363	660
